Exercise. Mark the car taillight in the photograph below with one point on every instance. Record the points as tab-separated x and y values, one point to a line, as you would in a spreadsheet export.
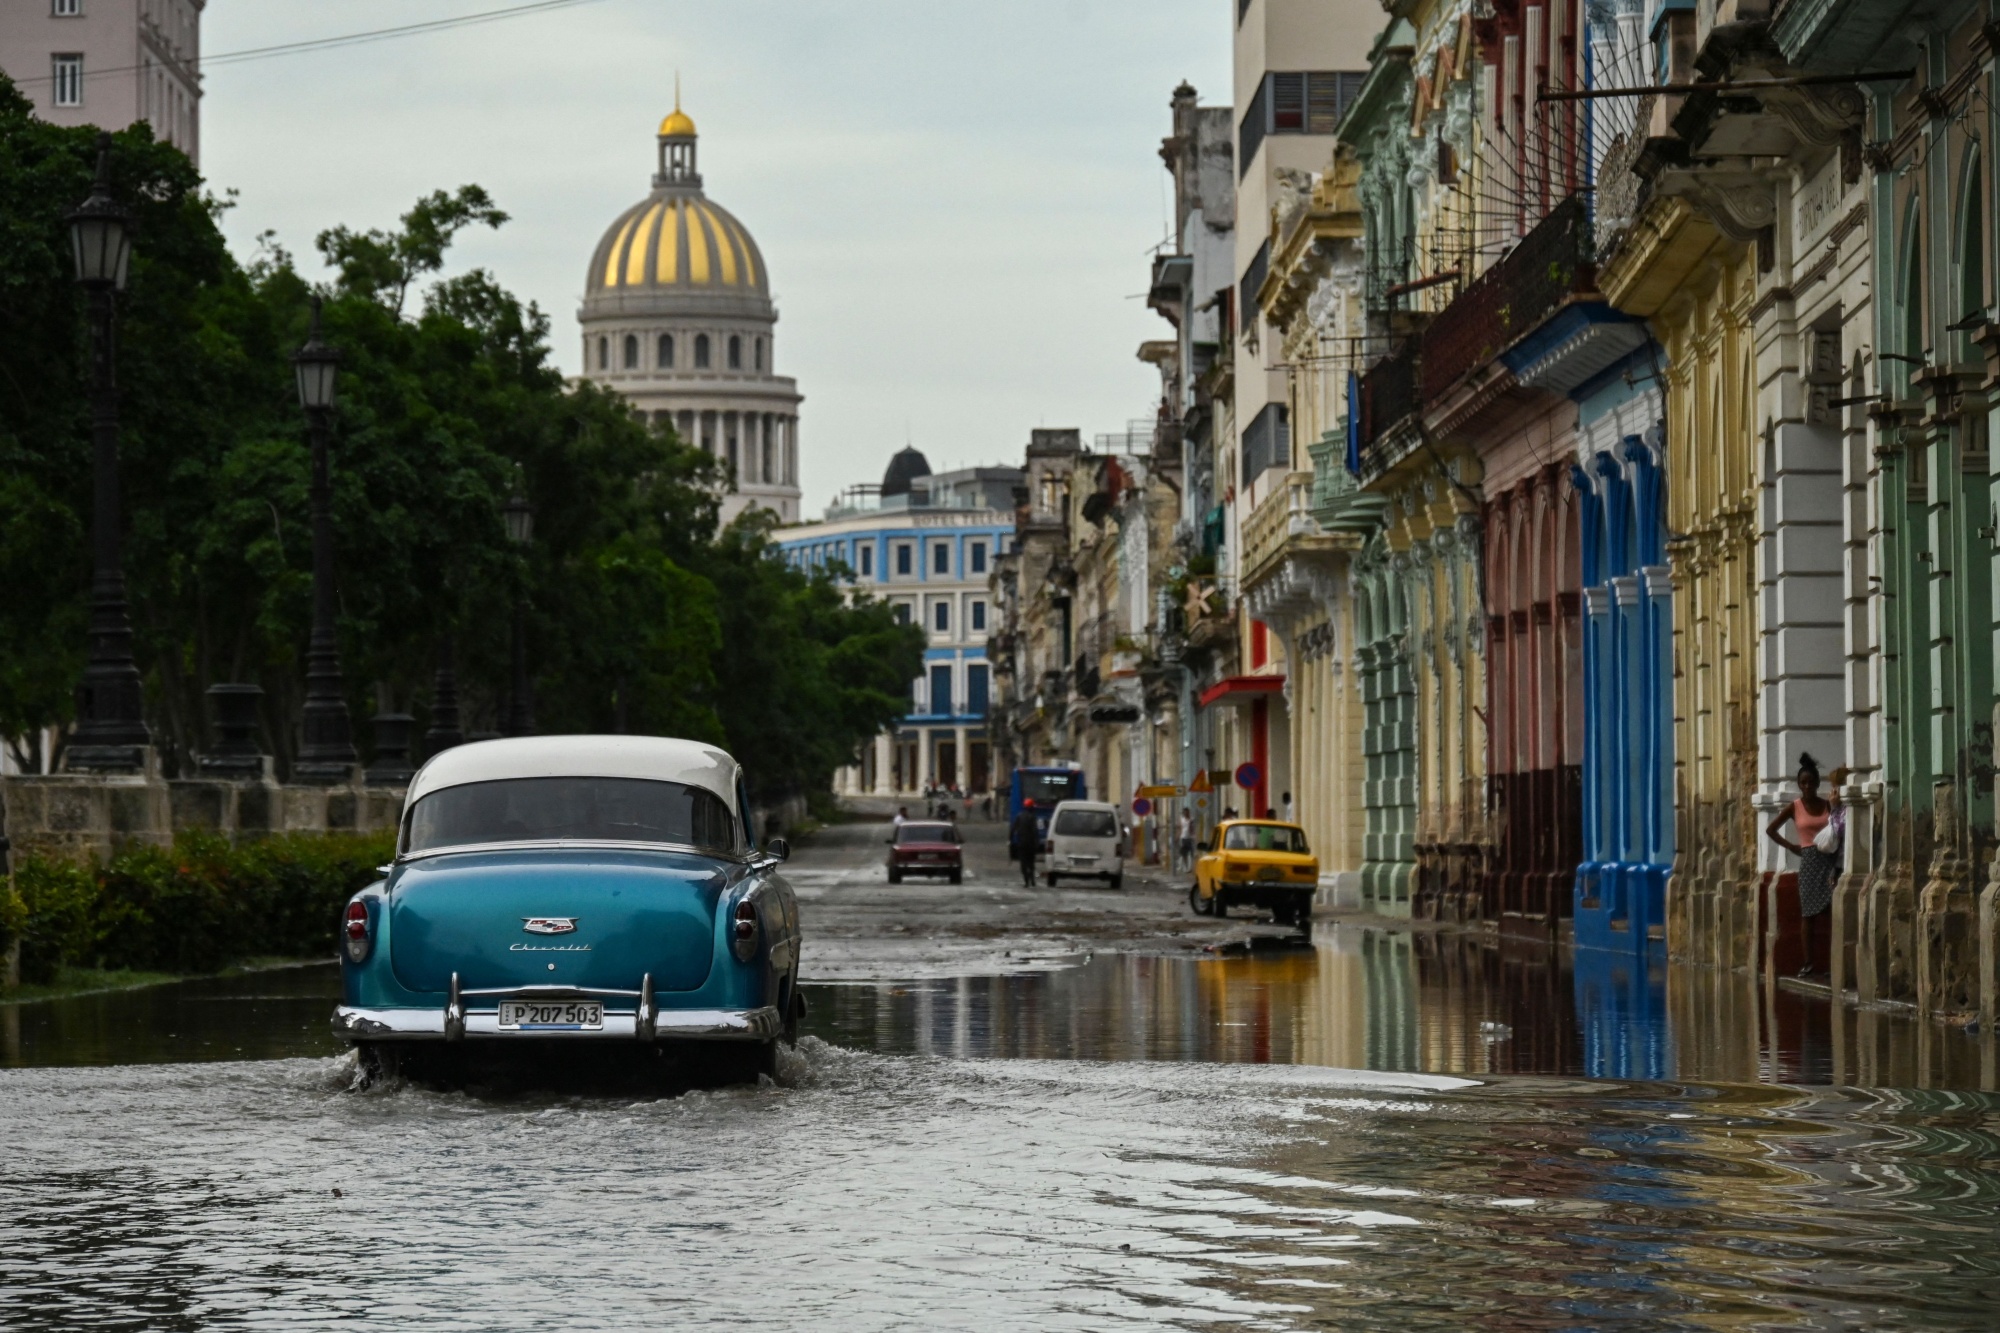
358	941
743	930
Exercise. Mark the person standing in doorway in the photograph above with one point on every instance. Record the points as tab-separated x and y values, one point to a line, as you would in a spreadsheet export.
1023	840
1809	815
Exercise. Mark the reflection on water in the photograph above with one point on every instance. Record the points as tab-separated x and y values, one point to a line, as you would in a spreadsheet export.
247	1016
900	1192
1358	998
1352	998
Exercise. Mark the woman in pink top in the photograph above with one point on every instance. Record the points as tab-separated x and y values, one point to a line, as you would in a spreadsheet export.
1817	869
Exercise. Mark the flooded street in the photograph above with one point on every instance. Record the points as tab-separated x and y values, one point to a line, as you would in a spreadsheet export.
1369	1129
872	1192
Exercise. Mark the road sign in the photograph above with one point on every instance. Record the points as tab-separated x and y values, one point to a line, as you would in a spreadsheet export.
1247	776
1142	806
1161	793
1201	802
1201	782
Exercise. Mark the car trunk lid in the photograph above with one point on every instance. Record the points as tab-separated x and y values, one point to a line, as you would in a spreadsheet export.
555	916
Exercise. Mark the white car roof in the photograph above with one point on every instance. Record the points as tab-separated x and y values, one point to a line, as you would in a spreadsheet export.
656	757
1086	805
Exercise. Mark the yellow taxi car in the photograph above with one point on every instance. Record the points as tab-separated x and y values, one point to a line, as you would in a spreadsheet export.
1259	863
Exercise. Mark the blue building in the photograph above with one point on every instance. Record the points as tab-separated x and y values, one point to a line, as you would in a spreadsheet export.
925	543
1628	737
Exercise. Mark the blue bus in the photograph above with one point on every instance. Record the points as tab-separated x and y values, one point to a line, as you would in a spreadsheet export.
1044	786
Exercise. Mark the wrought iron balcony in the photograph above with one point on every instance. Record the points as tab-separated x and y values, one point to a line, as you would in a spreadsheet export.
1388	392
1527	285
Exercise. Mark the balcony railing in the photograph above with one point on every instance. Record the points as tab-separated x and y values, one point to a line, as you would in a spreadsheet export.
1388	392
1285	513
1525	287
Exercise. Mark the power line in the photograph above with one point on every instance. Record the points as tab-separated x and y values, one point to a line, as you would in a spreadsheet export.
349	39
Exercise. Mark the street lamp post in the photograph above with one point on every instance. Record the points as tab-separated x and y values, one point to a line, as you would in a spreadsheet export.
111	732
520	518
327	754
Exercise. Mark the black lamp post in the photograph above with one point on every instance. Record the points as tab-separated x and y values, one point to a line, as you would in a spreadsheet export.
111	733
520	518
327	754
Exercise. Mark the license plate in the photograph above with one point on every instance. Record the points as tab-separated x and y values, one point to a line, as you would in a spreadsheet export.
567	1015
1081	860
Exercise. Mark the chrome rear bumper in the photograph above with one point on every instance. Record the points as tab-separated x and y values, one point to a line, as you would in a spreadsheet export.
358	1024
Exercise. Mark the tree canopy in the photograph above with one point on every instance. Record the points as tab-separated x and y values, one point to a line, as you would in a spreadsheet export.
642	616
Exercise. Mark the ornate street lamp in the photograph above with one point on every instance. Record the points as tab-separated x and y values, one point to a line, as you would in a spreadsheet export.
327	754
111	733
520	520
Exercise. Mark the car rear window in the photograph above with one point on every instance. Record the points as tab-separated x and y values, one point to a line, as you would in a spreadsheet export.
1264	838
927	833
1086	824
590	809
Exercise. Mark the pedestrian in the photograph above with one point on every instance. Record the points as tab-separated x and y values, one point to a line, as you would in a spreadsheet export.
902	814
1809	816
1269	813
1184	846
1285	802
987	808
1024	840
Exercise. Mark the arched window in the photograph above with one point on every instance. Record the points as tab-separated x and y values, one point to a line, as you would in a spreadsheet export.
604	354
701	351
760	354
631	352
735	352
666	351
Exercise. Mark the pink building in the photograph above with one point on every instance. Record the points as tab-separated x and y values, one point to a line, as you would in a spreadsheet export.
109	63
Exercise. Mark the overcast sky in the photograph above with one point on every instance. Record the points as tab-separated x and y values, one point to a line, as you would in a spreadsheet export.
957	201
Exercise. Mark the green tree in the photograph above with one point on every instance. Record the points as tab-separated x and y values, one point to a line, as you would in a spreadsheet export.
639	610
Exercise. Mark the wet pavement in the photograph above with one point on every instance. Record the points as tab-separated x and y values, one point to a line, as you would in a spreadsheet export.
1190	1125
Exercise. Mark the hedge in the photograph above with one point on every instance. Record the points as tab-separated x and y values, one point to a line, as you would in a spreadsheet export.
196	907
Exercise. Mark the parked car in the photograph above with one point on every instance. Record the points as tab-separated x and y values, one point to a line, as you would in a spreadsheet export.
1085	842
1259	863
924	848
574	889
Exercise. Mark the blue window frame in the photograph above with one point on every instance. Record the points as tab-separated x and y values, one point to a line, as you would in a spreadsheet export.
903	557
866	552
941	558
976	557
941	617
941	690
978	617
975	689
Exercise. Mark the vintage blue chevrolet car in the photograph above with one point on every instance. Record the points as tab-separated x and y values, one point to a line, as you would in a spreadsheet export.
574	890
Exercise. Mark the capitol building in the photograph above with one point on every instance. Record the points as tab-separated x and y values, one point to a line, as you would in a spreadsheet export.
677	318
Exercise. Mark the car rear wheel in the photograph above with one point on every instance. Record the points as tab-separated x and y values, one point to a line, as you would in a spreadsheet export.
958	876
1217	907
895	877
1117	880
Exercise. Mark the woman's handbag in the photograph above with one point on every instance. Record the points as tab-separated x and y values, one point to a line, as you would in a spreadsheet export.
1829	839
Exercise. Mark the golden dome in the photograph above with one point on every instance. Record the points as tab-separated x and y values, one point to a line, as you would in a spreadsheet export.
677	125
678	240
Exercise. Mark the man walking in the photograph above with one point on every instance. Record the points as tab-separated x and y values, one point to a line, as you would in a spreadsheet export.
1023	841
1184	843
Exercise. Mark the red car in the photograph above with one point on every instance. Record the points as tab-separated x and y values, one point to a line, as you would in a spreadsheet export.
926	849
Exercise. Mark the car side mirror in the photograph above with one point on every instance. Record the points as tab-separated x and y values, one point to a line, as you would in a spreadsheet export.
777	849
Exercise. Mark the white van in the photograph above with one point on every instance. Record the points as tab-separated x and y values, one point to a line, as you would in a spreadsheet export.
1085	842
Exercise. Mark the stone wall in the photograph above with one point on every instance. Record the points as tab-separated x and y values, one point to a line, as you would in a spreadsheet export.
79	816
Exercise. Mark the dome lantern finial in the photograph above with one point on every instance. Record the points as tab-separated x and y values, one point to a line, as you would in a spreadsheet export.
677	139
